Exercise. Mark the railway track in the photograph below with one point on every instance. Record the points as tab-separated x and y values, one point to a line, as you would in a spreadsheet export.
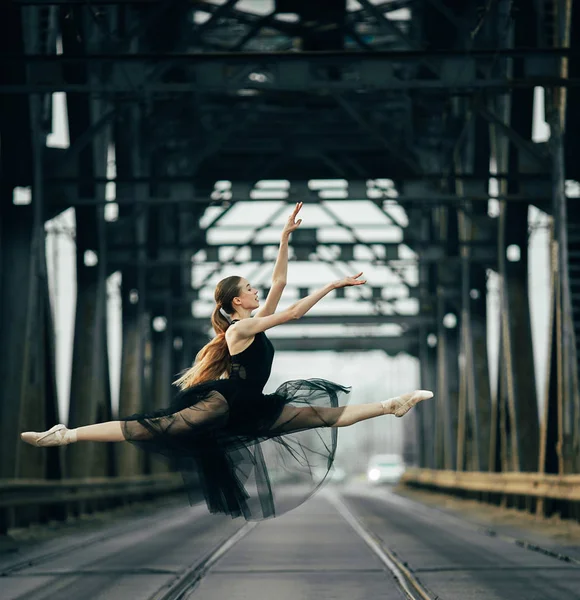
186	582
341	543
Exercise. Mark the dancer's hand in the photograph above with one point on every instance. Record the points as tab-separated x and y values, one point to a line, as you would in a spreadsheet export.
292	224
350	281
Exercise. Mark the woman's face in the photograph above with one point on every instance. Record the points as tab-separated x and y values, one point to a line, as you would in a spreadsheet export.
248	296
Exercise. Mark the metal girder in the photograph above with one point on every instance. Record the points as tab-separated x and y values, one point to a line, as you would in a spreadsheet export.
83	140
390	345
399	153
448	14
405	321
520	422
433	251
61	203
241	188
357	240
251	242
308	72
118	260
132	392
384	24
203	5
535	152
83	3
221	10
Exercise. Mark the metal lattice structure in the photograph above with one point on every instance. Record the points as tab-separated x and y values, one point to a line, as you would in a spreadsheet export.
434	97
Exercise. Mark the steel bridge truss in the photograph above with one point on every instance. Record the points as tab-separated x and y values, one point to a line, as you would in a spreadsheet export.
422	105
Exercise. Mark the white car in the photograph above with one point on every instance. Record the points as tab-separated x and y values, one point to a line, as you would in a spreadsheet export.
385	468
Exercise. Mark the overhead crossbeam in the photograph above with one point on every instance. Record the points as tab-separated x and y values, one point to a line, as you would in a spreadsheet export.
306	72
405	321
391	345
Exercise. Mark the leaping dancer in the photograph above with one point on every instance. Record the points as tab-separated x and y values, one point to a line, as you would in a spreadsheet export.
223	433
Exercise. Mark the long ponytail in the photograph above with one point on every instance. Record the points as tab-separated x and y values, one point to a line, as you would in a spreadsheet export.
213	361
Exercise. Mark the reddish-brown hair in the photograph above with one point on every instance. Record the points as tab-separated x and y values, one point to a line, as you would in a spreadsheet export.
213	361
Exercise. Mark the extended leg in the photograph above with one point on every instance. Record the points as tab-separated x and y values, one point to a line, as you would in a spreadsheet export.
60	435
208	413
109	431
297	418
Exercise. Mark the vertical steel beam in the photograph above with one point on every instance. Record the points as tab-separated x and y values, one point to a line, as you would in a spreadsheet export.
134	394
89	392
566	351
426	421
162	371
516	336
448	339
427	415
566	228
130	460
474	226
90	387
519	421
29	392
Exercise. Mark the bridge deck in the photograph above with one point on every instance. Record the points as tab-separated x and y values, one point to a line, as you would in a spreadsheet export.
347	543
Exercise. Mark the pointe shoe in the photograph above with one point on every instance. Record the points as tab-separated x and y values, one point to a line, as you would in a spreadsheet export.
58	435
400	406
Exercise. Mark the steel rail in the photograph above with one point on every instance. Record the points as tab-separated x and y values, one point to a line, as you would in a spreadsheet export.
33	492
190	578
33	560
409	584
419	508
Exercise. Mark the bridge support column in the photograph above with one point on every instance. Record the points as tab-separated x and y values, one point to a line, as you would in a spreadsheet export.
29	398
447	346
519	424
476	232
131	460
426	415
162	373
90	392
90	400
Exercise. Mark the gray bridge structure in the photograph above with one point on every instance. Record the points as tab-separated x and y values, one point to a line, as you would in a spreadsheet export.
423	106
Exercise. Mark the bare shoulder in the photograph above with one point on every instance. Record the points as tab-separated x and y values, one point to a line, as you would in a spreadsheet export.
250	327
236	340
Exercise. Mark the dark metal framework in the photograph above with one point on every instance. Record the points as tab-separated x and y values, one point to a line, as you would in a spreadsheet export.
436	97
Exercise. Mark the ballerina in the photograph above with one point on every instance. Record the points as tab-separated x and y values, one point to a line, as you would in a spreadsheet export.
226	437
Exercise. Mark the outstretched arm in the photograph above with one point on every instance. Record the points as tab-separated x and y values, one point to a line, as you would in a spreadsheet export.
280	273
249	327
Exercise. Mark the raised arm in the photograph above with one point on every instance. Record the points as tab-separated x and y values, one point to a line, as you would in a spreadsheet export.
249	327
280	273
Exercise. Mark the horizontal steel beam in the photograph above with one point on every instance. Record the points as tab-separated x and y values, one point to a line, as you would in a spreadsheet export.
486	253
161	298
318	57
370	83
534	196
244	187
84	2
390	345
312	72
562	487
22	493
200	324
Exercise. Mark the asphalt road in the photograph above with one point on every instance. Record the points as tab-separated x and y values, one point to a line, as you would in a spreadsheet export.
347	543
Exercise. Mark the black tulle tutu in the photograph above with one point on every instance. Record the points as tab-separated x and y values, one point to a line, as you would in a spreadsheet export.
230	441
